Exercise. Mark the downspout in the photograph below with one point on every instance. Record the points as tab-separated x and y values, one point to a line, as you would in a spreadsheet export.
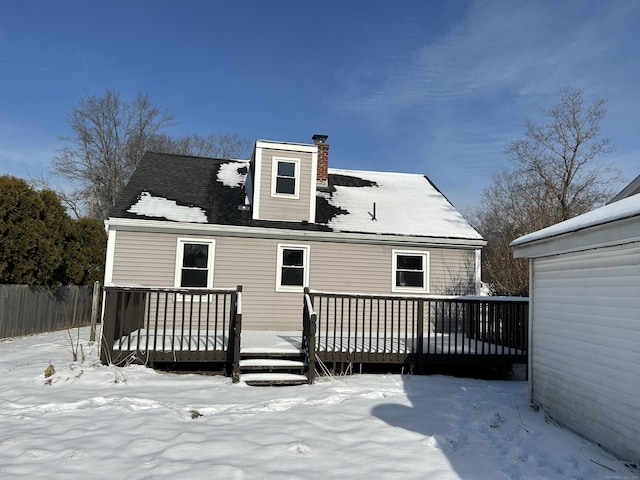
478	282
530	331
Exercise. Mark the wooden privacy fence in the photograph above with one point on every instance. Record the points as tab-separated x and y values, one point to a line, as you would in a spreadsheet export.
416	331
26	309
152	325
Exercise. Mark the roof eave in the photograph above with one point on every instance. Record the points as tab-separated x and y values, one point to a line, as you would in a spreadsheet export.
162	226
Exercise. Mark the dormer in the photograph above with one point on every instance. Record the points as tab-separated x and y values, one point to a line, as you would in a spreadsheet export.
283	177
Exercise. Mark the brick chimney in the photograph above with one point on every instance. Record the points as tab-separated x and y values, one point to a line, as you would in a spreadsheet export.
323	159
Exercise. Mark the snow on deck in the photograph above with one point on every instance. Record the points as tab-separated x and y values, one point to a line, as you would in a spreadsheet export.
285	342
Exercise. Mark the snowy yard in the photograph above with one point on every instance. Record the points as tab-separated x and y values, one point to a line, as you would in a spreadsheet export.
94	421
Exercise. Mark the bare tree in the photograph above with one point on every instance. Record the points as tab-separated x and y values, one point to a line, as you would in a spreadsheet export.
555	175
109	138
215	145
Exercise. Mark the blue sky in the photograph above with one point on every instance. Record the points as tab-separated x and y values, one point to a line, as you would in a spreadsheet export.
433	87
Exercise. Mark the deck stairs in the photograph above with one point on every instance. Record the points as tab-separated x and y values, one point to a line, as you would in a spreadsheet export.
272	359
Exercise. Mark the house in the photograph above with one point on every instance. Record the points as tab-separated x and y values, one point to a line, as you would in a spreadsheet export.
584	323
282	221
632	189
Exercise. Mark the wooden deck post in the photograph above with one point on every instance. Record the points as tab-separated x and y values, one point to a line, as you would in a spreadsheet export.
309	320
418	354
109	327
237	331
94	310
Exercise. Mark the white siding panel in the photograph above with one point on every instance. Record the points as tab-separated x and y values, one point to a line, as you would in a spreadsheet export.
586	344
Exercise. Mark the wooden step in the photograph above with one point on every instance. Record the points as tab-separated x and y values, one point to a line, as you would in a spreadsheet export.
271	378
271	364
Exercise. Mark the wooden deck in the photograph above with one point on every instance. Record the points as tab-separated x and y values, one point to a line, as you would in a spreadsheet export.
155	326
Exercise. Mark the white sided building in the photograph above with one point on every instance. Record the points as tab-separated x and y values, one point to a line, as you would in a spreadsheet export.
584	339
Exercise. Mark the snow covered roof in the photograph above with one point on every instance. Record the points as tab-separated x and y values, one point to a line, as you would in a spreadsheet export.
625	208
404	204
199	190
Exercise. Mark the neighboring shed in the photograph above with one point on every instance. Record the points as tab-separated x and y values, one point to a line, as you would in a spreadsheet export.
584	360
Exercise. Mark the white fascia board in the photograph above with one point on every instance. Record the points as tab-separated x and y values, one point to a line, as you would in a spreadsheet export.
257	180
161	226
288	146
619	232
111	250
314	185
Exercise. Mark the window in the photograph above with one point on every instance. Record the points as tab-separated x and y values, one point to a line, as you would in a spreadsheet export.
285	177
293	272
411	271
194	267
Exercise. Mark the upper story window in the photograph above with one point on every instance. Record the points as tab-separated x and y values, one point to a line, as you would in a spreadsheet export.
285	179
410	271
293	268
194	266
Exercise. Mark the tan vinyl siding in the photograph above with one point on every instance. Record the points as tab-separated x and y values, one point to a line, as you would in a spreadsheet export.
147	259
280	208
453	272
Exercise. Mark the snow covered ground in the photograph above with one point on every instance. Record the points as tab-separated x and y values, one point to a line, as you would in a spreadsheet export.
94	421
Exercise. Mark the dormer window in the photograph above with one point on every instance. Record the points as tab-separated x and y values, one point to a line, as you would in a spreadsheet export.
285	179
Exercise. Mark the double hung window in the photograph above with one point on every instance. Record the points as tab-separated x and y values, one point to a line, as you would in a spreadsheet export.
194	267
411	271
285	177
293	268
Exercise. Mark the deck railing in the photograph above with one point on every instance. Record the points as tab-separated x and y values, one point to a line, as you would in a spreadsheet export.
151	325
419	330
309	335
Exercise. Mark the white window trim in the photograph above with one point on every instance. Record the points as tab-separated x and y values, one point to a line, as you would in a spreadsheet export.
274	177
426	263
180	254
305	262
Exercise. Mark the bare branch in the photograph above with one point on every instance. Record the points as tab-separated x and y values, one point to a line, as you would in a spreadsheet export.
555	175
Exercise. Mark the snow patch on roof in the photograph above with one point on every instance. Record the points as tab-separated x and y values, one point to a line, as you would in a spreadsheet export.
628	207
229	174
150	206
406	204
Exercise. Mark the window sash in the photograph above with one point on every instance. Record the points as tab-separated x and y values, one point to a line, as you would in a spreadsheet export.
292	267
194	267
411	271
286	177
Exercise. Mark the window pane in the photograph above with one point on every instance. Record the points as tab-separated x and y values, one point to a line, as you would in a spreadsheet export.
195	255
292	276
292	258
286	169
194	278
286	185
410	279
409	262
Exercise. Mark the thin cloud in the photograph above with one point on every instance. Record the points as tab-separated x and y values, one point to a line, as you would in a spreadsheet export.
523	47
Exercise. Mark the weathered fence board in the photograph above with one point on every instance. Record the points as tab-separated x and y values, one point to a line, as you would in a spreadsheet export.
26	309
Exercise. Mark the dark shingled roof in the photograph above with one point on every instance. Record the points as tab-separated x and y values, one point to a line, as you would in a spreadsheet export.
193	182
407	204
